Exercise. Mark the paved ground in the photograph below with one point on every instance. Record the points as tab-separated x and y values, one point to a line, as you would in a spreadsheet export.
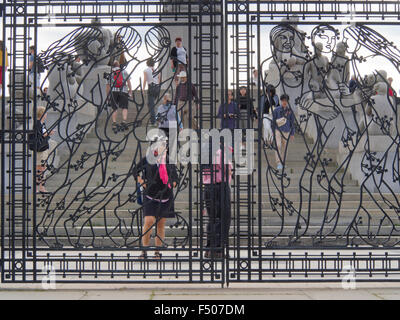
364	291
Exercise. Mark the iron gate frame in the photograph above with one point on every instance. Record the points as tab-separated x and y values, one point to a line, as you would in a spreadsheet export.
291	264
377	264
29	263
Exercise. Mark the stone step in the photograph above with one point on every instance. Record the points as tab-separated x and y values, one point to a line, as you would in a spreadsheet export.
126	191
239	177
182	205
292	170
128	155
294	177
135	136
323	196
102	132
266	231
52	184
265	242
269	219
112	143
290	167
316	209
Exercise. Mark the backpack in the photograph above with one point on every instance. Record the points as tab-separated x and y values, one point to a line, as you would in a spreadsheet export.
40	65
118	79
37	142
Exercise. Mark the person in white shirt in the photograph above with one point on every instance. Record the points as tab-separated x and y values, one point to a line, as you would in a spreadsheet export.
153	91
168	118
167	115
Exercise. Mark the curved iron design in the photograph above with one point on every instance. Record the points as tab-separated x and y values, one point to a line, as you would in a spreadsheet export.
339	134
89	191
343	135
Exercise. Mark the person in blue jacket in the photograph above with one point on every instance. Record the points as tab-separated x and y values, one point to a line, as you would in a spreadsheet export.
283	127
229	113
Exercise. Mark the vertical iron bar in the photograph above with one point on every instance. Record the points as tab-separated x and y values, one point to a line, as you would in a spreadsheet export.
34	204
189	165
3	132
260	124
24	160
222	36
12	157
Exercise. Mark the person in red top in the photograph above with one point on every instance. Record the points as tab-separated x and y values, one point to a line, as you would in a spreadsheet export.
119	89
216	178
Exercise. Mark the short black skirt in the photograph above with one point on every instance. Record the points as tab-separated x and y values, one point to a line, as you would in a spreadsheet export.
158	209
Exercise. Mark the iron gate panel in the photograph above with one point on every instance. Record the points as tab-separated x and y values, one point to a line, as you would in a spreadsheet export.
89	228
333	207
336	198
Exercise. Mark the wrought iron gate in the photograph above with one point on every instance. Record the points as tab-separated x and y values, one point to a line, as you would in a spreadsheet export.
331	209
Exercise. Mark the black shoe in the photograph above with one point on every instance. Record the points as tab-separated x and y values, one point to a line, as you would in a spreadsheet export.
124	126
115	127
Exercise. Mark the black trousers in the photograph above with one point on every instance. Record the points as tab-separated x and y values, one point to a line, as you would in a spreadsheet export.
218	204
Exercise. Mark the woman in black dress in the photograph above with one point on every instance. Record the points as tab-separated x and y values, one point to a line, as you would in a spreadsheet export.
158	180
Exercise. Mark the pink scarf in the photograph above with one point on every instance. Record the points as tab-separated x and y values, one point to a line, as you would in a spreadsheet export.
162	169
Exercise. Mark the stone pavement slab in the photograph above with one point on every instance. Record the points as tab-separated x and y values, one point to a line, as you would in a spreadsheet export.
240	291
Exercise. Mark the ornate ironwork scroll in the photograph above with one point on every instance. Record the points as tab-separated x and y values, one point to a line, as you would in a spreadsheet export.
347	132
89	185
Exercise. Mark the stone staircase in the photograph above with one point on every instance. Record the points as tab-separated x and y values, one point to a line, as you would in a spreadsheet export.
91	207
